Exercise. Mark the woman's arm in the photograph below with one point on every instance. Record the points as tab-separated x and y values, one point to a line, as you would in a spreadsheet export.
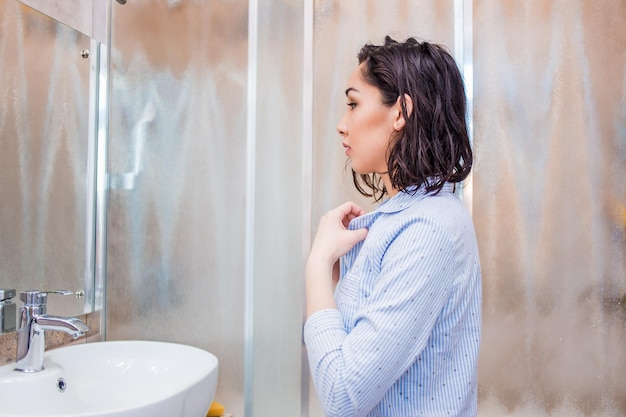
333	239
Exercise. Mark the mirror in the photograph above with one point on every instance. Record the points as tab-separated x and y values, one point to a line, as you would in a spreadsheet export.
47	154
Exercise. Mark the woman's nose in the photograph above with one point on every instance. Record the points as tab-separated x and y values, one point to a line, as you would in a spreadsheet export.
342	128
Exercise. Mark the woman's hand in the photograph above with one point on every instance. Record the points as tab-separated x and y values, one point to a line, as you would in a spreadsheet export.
333	240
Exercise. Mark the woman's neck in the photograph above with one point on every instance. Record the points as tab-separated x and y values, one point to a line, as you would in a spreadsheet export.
391	191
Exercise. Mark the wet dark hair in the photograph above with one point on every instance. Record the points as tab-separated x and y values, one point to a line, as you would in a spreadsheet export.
433	147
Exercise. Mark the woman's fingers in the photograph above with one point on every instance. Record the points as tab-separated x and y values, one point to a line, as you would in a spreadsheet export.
333	239
348	211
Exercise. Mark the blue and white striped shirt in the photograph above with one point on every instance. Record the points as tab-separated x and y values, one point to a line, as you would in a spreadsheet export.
404	338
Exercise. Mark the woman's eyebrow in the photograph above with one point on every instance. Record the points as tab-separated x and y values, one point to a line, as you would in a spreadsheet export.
351	89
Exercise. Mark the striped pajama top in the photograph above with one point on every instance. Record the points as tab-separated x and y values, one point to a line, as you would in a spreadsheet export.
404	338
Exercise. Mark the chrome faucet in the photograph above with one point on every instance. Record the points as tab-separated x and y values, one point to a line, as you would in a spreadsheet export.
33	321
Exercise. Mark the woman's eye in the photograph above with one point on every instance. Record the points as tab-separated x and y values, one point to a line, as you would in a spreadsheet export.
351	105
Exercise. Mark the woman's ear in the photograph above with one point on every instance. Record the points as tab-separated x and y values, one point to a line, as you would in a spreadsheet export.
399	121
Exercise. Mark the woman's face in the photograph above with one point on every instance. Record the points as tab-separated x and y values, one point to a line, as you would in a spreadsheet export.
367	126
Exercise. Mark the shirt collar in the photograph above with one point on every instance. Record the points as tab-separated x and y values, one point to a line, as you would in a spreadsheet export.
395	204
404	198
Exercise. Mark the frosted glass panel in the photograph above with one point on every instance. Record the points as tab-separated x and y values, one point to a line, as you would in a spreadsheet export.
176	228
44	103
549	204
278	288
182	186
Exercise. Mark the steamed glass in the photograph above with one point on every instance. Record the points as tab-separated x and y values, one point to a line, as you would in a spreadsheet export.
44	103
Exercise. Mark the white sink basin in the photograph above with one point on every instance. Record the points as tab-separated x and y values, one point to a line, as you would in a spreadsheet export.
113	379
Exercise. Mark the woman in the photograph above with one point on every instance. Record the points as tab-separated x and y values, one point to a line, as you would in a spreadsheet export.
400	334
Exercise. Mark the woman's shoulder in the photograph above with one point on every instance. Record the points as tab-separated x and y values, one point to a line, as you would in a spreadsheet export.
443	205
442	211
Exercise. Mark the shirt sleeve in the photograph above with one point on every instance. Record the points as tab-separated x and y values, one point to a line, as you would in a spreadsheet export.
353	371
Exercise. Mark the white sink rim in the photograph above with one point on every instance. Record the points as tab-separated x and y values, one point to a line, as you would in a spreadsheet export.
145	375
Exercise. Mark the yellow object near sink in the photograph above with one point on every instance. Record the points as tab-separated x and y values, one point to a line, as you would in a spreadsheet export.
216	410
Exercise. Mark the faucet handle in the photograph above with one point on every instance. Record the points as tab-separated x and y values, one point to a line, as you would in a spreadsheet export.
39	298
6	294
